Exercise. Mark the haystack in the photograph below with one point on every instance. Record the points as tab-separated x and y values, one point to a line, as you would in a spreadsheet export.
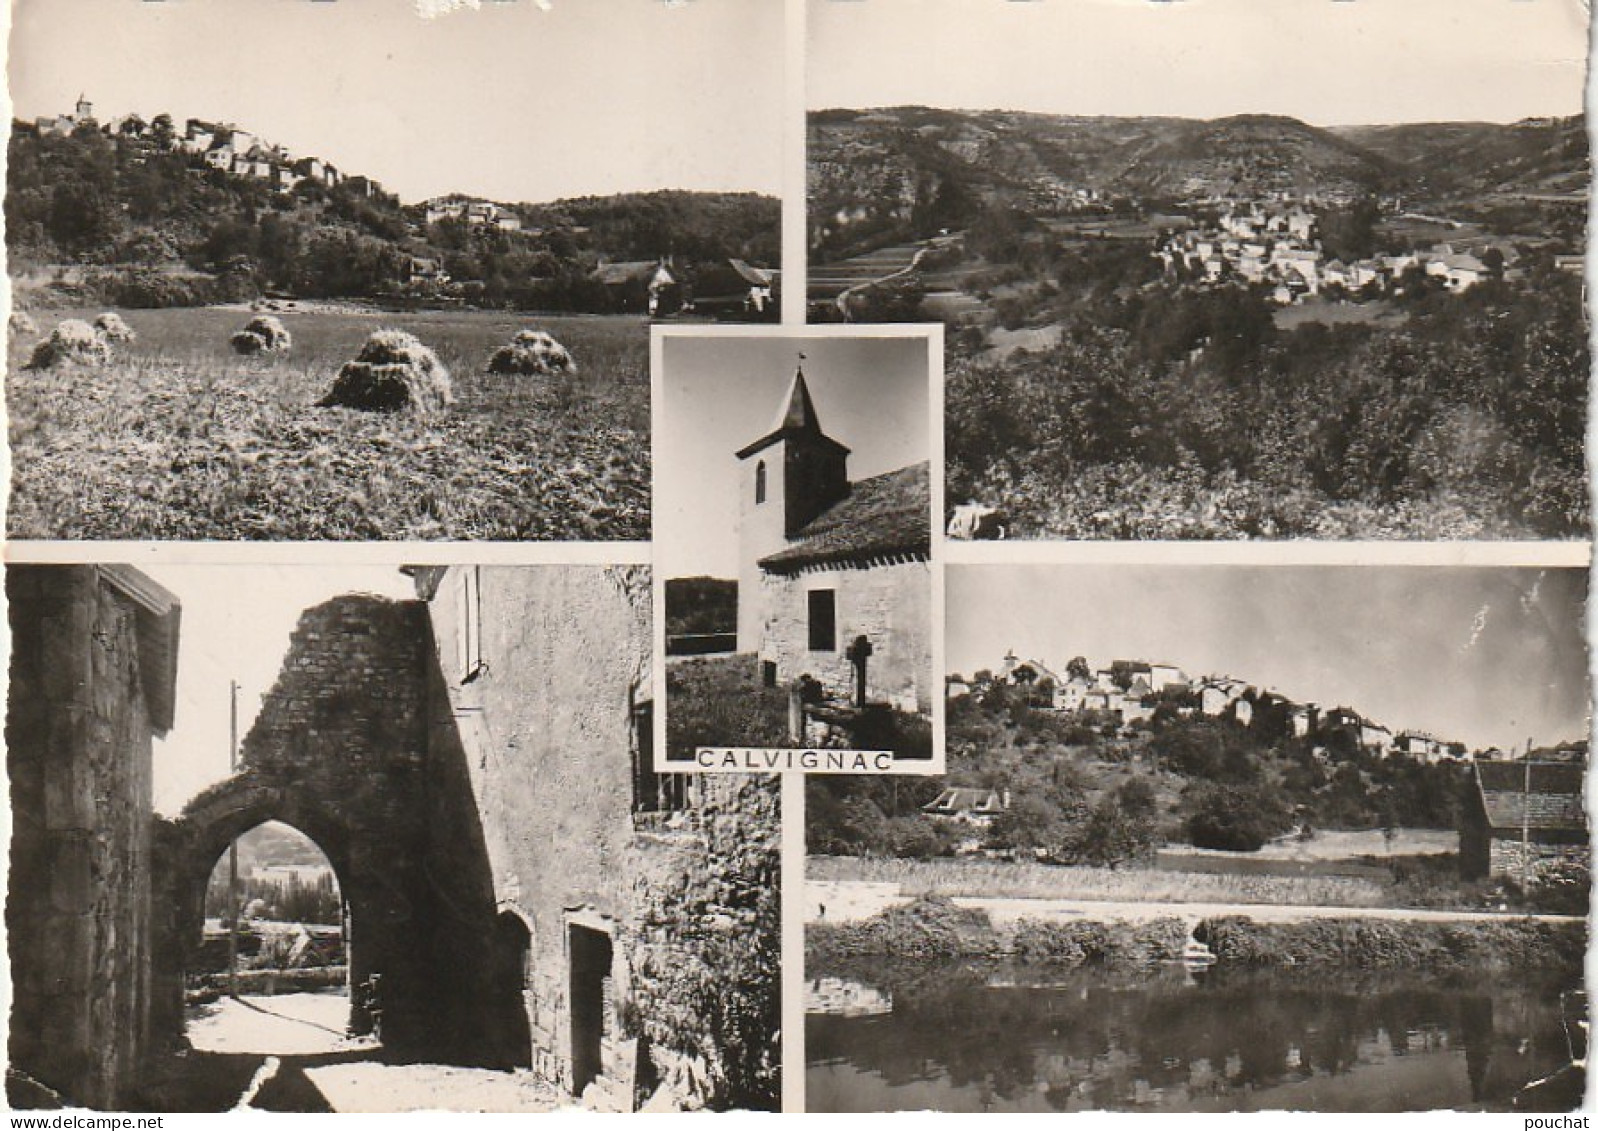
262	334
532	352
21	322
113	329
72	342
392	372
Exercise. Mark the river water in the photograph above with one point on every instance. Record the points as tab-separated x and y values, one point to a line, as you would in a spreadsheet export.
961	1035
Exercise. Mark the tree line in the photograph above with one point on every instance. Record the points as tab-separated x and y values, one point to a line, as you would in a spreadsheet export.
1081	791
153	226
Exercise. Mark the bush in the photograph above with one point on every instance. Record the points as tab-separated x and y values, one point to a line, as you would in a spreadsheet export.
916	837
156	290
929	927
1076	942
1561	887
393	371
1236	818
1507	944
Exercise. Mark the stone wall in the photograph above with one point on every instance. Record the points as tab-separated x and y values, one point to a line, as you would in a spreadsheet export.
1508	857
547	725
78	751
342	751
705	945
891	605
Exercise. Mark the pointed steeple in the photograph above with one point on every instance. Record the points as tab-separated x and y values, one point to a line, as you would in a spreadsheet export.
796	419
801	410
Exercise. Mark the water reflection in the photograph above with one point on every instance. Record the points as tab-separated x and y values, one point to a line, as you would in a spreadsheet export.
971	1036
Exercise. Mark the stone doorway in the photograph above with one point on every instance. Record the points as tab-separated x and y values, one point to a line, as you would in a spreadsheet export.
590	955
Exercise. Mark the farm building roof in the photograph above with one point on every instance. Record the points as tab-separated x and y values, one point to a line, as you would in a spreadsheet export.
754	276
885	515
1552	800
616	274
959	800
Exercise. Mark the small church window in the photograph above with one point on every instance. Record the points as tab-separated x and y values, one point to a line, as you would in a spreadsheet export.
823	620
760	482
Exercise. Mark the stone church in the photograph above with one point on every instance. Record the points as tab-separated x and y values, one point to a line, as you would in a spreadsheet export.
826	563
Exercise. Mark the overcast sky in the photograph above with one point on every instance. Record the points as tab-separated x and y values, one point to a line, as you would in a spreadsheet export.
1325	62
508	101
1484	656
236	625
718	394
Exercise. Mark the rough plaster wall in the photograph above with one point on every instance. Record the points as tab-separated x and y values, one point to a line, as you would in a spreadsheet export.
761	531
890	605
78	911
546	739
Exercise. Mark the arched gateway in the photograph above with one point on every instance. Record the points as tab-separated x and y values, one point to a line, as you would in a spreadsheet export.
350	749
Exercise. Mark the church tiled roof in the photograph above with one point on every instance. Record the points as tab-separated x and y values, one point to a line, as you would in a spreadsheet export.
885	515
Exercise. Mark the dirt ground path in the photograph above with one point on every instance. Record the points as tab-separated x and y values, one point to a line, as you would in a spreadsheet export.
290	1053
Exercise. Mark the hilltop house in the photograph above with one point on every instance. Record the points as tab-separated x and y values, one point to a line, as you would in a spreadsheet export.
1162	676
1072	695
362	186
1373	736
476	213
255	164
1217	695
1522	817
1420	746
199	136
1458	272
834	572
63	124
1019	671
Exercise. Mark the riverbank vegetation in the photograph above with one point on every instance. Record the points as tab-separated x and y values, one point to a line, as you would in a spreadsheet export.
935	926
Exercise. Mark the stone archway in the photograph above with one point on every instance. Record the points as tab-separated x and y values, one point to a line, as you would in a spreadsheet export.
348	749
199	838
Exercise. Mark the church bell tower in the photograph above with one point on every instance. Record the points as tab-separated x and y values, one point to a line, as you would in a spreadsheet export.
787	478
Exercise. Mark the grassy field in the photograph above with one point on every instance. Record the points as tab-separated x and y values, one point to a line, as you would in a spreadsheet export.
720	701
180	439
1002	880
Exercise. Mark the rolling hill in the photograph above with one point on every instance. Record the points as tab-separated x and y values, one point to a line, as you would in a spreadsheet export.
1542	155
918	169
